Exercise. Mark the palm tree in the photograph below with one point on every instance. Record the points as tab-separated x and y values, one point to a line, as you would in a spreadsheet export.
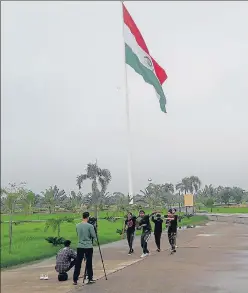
138	199
39	201
219	191
238	194
52	197
75	201
49	200
207	192
27	201
166	193
87	200
189	184
151	195
55	224
226	194
109	200
184	186
100	180
209	203
122	202
211	191
169	187
195	184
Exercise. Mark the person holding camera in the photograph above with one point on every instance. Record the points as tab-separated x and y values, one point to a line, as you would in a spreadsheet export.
86	236
158	221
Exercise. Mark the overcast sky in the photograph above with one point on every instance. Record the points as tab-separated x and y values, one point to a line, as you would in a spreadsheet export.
63	102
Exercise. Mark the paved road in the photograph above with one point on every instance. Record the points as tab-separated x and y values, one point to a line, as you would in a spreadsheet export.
210	259
215	260
223	215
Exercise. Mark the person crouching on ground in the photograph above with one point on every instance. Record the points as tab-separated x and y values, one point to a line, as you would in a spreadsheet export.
145	225
86	236
65	260
130	223
172	228
158	221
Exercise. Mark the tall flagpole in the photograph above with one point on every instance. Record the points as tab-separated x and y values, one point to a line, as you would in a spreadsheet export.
129	156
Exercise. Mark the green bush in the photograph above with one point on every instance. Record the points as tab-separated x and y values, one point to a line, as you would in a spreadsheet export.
55	241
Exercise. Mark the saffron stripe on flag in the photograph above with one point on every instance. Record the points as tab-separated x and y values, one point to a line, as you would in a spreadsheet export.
161	74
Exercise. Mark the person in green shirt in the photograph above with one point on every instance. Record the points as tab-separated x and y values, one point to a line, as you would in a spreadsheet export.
86	236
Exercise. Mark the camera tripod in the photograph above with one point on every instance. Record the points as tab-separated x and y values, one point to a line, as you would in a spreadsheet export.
100	252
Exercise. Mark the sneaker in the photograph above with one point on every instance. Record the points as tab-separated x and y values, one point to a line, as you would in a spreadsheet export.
46	277
91	281
41	277
143	255
158	250
75	283
130	252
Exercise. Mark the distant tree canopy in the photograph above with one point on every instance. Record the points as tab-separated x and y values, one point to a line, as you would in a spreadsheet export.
17	198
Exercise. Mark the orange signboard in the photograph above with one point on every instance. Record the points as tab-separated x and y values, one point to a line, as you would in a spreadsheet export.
188	200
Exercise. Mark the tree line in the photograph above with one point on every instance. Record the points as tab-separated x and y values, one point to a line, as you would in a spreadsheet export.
17	198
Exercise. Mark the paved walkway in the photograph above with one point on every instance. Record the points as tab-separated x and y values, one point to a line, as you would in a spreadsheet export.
207	259
214	260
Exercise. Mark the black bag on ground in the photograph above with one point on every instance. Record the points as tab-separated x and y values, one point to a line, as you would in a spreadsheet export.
62	277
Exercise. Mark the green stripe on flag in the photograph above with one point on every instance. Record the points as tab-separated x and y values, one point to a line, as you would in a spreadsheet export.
147	74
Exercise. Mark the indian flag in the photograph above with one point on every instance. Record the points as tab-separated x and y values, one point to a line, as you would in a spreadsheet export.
139	58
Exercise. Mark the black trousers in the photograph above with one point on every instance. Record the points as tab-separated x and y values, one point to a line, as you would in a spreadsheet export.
157	236
144	239
130	238
82	253
72	265
172	239
65	270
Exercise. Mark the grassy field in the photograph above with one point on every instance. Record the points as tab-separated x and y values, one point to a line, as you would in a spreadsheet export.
29	238
228	210
44	216
40	217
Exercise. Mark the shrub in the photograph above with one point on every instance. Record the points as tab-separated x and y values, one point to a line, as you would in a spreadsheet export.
55	241
119	231
111	219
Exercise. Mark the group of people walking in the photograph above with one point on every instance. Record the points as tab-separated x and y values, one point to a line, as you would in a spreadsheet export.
144	223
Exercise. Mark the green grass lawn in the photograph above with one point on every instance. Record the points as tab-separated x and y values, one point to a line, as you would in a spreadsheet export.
29	242
228	210
22	217
29	238
195	220
45	216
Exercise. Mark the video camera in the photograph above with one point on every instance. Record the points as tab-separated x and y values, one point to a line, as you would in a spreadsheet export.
93	221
